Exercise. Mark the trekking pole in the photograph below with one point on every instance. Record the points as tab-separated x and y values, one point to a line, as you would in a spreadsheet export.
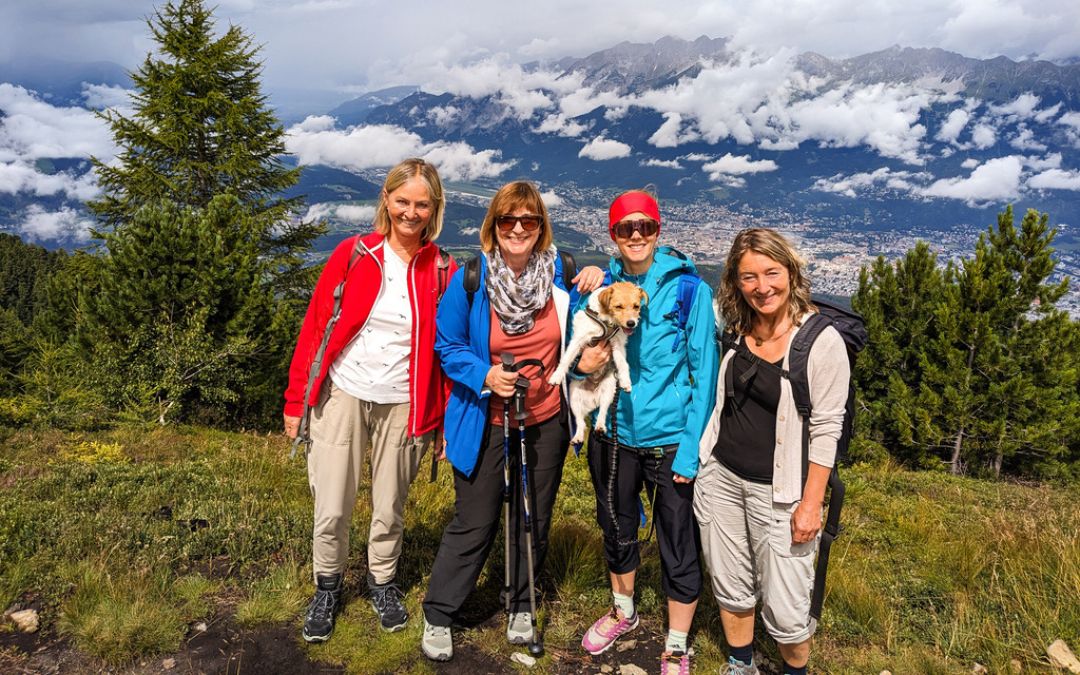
507	364
536	648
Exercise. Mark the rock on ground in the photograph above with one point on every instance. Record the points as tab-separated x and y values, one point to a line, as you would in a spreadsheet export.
1062	657
26	620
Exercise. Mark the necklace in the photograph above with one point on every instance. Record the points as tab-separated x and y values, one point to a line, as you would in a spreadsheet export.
760	341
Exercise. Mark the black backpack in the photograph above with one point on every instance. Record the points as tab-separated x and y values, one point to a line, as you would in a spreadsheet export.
852	329
471	282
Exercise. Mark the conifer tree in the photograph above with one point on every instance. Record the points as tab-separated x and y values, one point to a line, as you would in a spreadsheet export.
973	366
195	302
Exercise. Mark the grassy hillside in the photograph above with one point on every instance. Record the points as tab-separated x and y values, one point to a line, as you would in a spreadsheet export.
126	540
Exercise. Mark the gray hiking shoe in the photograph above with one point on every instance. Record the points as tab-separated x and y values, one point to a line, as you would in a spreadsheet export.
737	667
437	642
519	629
386	599
323	608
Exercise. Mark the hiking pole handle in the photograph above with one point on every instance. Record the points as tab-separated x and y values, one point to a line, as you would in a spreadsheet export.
507	360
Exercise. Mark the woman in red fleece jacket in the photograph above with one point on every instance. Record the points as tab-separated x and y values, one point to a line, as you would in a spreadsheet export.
378	381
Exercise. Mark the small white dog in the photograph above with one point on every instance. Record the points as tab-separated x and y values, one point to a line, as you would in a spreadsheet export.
612	314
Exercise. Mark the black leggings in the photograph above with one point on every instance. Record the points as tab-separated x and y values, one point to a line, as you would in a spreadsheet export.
676	528
467	540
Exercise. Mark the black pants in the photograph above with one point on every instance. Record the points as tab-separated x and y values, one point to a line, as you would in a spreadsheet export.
478	506
677	533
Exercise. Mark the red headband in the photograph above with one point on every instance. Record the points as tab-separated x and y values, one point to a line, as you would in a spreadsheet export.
632	202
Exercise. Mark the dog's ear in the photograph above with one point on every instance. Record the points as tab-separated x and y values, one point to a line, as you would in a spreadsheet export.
644	296
604	298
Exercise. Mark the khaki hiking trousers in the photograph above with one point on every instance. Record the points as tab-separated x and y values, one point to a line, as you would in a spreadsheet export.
341	428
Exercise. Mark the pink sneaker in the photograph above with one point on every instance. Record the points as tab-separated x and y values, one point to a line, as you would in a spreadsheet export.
675	663
606	630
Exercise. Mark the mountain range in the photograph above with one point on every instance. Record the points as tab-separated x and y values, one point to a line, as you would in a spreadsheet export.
895	140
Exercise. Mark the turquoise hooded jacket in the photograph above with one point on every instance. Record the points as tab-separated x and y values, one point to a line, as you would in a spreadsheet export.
672	372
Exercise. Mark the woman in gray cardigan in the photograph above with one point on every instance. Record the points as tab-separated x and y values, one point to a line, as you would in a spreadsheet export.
760	520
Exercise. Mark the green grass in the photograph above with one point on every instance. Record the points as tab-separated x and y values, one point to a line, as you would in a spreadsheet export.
126	538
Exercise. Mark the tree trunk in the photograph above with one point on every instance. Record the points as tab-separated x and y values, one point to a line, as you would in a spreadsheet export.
954	464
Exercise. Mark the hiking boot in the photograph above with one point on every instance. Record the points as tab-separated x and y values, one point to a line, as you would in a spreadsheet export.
607	629
519	629
386	599
437	642
675	663
737	667
323	608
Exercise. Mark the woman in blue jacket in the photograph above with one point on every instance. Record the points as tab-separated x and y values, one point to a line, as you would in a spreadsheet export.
673	361
520	306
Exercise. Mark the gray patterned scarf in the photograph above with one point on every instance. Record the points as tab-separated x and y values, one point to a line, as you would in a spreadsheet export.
516	300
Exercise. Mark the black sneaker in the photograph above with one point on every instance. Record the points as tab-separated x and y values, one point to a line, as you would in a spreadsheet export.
386	599
319	619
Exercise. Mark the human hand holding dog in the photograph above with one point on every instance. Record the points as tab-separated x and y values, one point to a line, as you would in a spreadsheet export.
500	381
588	279
594	358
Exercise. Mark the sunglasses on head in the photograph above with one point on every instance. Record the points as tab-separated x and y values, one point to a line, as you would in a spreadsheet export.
529	222
624	229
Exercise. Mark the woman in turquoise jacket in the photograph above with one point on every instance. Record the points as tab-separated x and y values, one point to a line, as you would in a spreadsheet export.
653	442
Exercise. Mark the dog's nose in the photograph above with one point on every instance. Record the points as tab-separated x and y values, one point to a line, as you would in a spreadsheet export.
631	323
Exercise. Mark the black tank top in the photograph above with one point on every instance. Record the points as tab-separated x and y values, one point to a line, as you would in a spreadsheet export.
748	421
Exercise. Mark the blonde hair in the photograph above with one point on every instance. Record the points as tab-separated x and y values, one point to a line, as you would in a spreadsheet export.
510	197
738	314
398	176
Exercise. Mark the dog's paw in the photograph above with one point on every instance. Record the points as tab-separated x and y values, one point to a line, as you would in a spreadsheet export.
578	438
625	386
600	426
555	380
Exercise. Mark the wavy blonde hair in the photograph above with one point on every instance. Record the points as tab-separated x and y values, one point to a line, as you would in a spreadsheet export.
398	176
738	314
512	196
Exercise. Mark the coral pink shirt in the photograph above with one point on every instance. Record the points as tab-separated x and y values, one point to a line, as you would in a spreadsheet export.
540	342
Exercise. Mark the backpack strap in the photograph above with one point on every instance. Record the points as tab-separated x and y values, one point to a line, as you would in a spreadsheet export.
569	268
684	302
471	280
799	358
302	437
443	270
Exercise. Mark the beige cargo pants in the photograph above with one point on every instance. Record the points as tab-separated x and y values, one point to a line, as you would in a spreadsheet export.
341	428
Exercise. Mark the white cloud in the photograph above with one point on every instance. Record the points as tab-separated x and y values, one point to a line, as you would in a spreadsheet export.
98	96
18	176
857	183
671	133
559	124
459	161
969	163
551	200
730	165
1025	140
601	148
67	224
349	213
32	129
697	157
444	115
665	163
995	181
1051	161
370	146
1055	179
954	124
1022	108
983	136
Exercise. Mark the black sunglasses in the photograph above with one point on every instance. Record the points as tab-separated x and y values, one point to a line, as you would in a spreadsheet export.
624	229
528	221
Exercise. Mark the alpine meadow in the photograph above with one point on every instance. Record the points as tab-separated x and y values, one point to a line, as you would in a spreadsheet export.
152	519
